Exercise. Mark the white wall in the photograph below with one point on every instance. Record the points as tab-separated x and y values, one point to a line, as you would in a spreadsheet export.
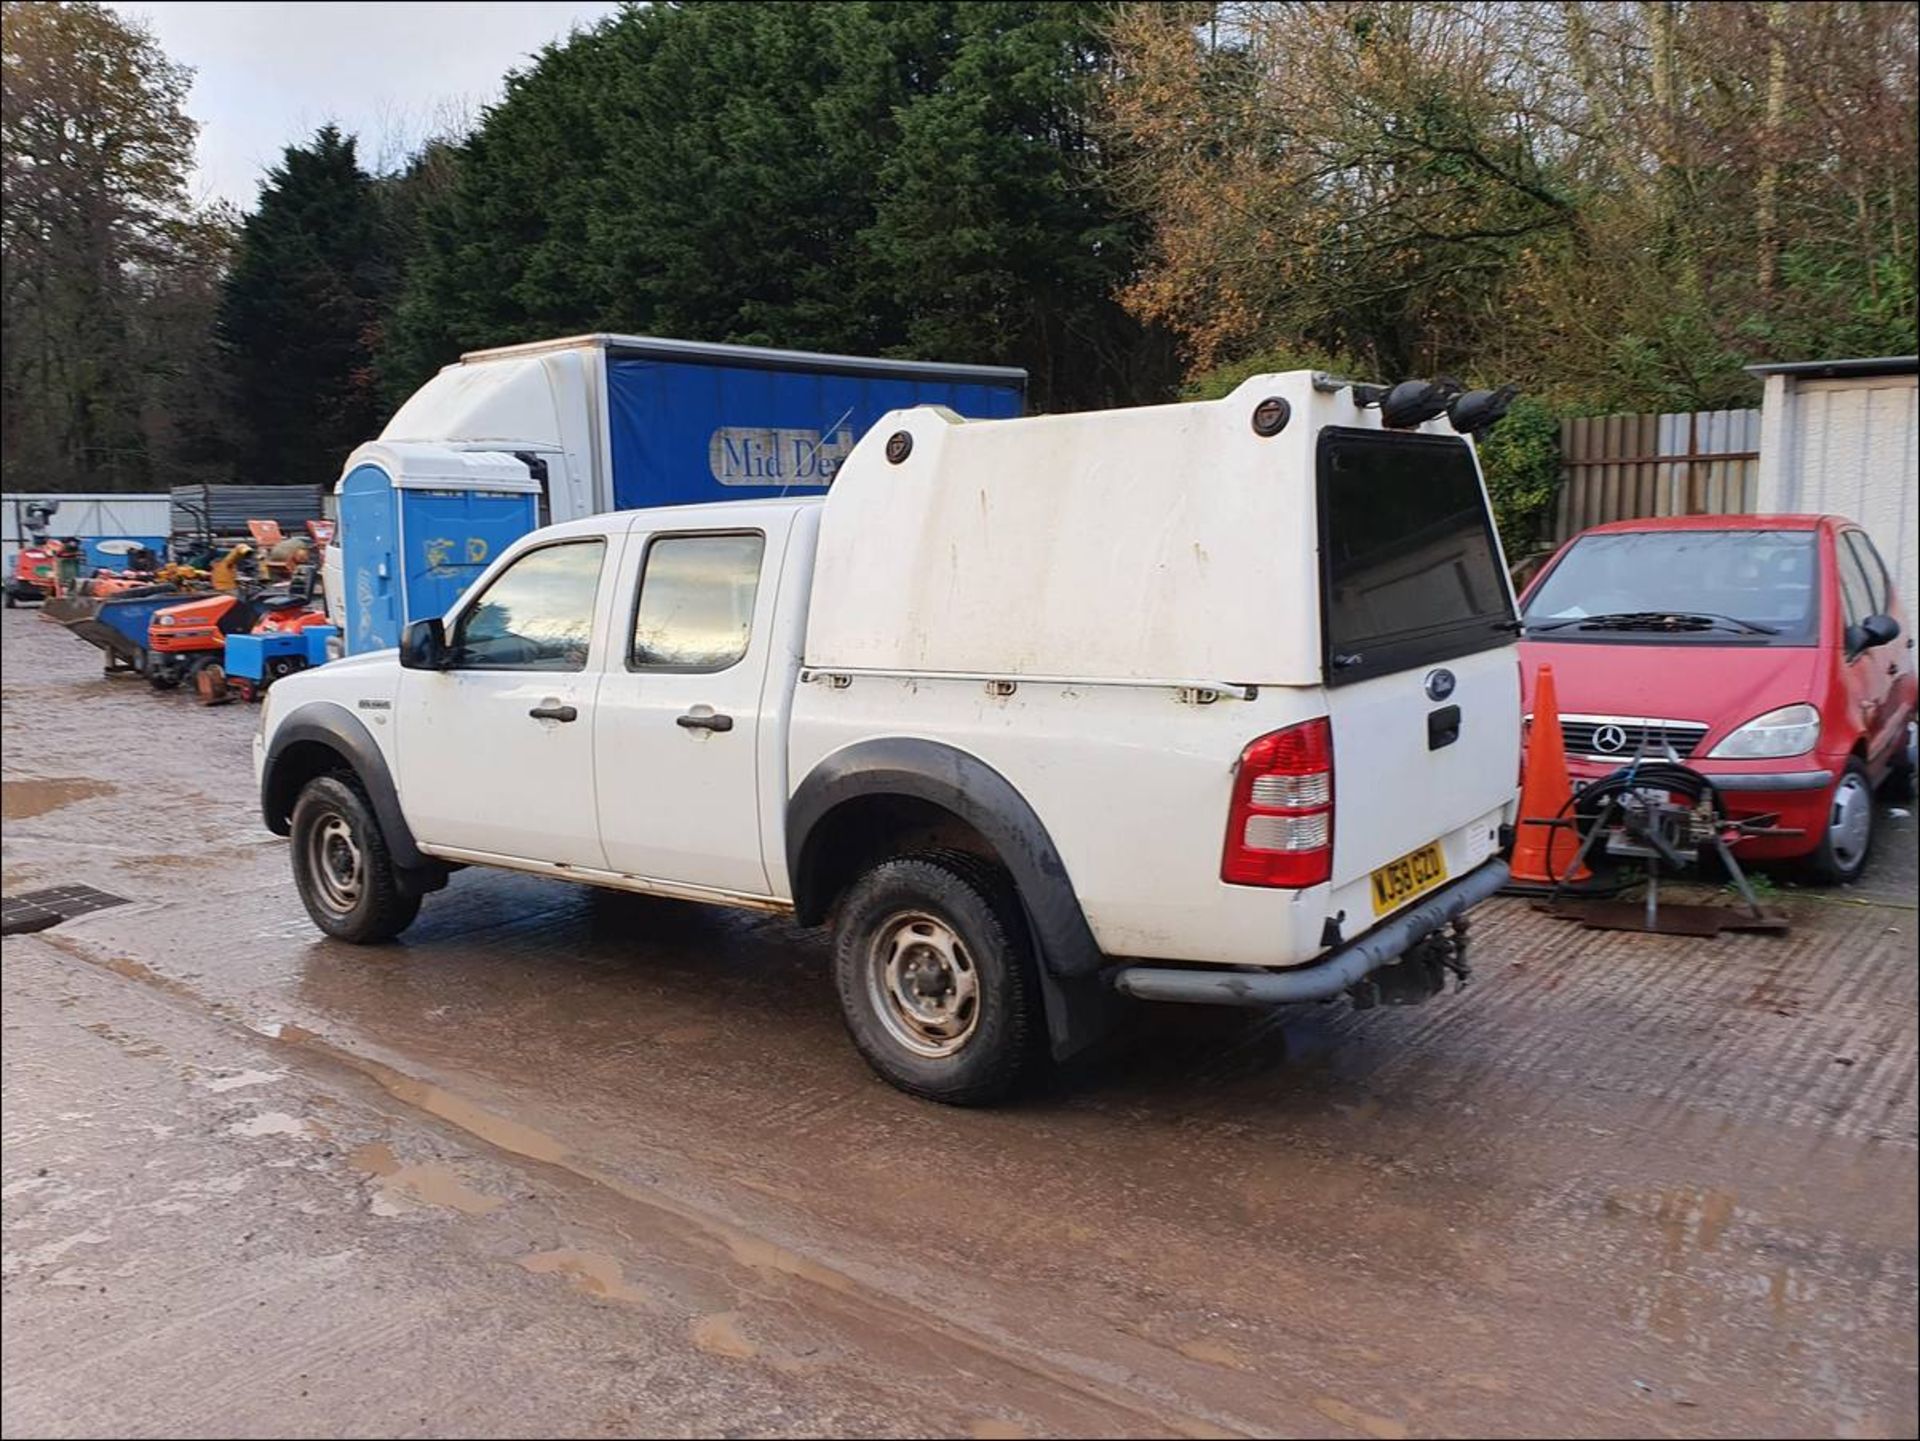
1849	446
97	516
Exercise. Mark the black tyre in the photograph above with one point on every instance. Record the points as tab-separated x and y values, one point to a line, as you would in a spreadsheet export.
341	864
936	978
1847	840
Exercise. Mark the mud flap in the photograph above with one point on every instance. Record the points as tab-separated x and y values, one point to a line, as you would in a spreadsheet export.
1081	1012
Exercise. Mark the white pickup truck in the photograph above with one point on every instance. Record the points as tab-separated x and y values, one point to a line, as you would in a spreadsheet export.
1210	702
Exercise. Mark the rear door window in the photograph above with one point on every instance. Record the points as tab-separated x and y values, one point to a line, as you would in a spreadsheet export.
695	609
1410	570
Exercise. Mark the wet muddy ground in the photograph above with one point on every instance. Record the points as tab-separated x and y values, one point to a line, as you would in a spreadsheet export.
574	1164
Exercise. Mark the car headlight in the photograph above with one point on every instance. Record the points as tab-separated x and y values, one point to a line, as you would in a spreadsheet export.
168	620
1789	731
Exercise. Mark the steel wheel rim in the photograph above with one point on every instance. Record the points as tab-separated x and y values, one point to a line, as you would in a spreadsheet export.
1851	821
334	861
923	984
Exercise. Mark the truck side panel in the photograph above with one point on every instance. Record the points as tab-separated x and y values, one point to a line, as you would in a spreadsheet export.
1132	786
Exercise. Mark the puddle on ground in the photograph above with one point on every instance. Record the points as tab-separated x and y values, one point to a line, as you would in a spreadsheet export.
428	1182
591	1272
1213	1352
269	1123
720	1335
23	798
1338	1411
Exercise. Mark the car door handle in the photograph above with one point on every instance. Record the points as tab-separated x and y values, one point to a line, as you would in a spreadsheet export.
554	712
1443	727
694	721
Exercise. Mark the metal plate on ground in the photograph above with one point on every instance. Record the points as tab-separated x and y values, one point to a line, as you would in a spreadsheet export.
37	910
1670	919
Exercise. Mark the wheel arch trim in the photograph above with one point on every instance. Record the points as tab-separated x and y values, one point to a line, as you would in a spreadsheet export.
970	789
334	726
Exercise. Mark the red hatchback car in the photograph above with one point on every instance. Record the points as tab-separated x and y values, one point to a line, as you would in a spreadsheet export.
1769	652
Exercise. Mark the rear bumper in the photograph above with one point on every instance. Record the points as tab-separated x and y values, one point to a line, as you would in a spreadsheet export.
1338	971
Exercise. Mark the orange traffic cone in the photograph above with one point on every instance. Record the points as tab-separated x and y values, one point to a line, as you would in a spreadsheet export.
1545	794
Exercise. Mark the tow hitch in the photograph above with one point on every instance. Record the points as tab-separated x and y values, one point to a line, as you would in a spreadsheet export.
1419	974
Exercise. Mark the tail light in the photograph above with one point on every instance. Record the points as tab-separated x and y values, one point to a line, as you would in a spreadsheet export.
1280	826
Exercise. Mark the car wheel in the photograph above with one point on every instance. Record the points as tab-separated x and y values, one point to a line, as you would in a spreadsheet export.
1848	839
936	978
341	865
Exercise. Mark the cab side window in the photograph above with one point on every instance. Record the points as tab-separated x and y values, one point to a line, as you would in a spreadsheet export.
537	614
1879	587
1853	584
695	608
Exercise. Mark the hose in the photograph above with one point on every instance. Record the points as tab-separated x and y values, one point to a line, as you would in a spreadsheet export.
1653	775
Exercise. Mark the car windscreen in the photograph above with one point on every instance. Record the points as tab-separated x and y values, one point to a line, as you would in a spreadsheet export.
1694	585
1410	571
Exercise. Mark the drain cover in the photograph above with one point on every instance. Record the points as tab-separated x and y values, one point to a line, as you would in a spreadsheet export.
36	910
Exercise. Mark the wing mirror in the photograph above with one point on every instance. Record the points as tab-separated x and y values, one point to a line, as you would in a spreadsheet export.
1875	630
423	645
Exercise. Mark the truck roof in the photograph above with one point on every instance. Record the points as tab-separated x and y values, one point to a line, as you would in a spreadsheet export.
705	516
700	352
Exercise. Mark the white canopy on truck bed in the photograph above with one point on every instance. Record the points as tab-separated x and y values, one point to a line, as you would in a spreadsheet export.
1165	543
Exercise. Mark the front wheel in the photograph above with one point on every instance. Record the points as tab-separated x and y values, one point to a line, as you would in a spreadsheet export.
936	978
341	865
1848	839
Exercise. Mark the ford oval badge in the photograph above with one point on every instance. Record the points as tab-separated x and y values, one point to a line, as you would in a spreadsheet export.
1439	684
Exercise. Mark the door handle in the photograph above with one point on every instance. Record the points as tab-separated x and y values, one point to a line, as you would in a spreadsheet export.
1443	727
554	712
694	721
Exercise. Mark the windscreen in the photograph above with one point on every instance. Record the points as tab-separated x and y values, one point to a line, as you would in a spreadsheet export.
1686	584
1410	569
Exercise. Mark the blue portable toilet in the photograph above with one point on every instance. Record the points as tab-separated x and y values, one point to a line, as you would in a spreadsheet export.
418	524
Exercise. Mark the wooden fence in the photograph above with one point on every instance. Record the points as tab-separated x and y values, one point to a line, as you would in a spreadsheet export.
1621	467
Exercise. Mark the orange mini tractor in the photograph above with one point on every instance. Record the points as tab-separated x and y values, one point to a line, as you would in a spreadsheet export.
185	642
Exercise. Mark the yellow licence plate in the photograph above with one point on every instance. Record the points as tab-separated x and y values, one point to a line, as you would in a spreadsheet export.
1399	881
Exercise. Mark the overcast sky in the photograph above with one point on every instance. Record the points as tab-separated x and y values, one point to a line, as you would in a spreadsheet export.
390	71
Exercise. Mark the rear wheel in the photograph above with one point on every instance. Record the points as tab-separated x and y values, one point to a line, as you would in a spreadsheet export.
936	978
1848	839
341	865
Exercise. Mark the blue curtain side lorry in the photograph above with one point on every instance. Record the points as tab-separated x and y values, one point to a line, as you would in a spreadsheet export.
525	435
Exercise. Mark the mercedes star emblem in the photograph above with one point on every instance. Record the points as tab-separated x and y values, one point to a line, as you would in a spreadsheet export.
1609	738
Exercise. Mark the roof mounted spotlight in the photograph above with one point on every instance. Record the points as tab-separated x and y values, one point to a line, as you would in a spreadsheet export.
1480	410
1412	401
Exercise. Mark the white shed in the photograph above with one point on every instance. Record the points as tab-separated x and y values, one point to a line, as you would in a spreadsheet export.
1843	437
90	518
